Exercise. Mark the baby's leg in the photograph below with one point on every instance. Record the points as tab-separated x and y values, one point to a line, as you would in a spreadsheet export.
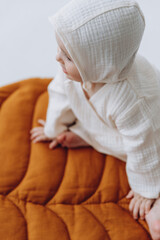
153	220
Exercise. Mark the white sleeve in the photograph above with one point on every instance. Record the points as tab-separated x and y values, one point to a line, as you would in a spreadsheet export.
59	114
142	144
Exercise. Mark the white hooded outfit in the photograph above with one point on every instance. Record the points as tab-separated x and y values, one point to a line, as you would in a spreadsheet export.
123	117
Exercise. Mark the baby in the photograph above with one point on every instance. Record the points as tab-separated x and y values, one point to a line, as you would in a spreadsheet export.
107	96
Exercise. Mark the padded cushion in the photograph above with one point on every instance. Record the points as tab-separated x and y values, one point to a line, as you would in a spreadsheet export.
64	194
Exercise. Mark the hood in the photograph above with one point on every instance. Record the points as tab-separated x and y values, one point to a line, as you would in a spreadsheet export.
102	37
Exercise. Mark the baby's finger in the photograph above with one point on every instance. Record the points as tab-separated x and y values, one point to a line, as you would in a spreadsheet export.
53	144
136	208
148	205
39	139
61	138
131	205
130	194
36	129
142	210
35	134
41	121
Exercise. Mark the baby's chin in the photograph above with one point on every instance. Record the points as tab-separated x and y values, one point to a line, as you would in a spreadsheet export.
73	79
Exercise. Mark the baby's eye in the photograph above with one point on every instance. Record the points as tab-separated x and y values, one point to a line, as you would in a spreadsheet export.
69	59
67	56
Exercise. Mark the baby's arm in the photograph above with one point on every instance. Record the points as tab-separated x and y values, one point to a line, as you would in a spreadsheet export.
66	139
59	114
142	147
59	118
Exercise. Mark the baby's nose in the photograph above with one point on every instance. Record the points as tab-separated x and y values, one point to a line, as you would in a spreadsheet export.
59	58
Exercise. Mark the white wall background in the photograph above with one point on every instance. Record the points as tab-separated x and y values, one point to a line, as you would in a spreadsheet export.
27	42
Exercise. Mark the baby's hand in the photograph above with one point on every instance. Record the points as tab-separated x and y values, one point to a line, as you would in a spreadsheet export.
37	133
65	139
68	139
139	206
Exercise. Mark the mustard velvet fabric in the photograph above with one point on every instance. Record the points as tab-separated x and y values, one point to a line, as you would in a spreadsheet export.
63	194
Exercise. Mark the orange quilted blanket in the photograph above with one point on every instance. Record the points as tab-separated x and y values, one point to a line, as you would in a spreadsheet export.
59	194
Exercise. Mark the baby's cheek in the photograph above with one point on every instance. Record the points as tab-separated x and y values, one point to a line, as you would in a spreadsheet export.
77	75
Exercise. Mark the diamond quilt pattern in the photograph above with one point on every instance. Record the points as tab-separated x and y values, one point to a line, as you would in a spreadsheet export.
65	194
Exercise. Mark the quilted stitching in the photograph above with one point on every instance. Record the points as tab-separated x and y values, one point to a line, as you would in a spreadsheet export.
56	194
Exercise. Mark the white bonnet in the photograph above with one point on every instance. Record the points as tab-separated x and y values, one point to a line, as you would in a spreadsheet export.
102	37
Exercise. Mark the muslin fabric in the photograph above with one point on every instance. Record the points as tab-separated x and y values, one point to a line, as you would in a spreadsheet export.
122	118
102	37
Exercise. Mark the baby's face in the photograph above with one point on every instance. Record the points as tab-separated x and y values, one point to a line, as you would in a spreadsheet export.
68	66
